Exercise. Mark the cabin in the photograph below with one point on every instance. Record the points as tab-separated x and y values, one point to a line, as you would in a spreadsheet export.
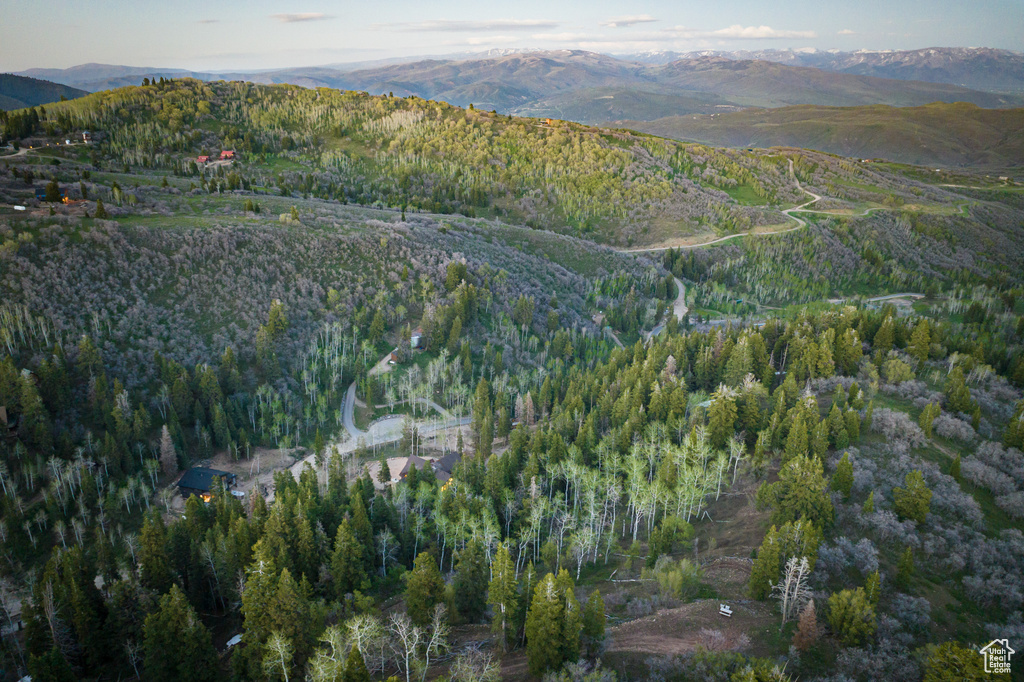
198	481
227	155
549	121
41	194
202	159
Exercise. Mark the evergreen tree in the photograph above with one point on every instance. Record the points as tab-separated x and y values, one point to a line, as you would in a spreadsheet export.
51	667
502	595
101	210
424	589
544	624
869	504
842	479
905	569
920	341
177	645
851	616
722	416
593	625
470	584
952	662
954	468
154	564
355	667
807	631
913	501
927	419
958	396
797	444
347	562
800	493
572	624
765	570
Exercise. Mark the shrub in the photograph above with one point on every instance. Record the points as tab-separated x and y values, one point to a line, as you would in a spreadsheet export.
851	616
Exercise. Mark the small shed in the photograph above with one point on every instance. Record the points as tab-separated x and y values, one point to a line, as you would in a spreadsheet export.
198	481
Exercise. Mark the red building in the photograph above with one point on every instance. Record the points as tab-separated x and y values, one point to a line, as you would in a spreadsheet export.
226	155
202	159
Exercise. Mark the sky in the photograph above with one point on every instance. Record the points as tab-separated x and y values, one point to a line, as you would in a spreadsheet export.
259	34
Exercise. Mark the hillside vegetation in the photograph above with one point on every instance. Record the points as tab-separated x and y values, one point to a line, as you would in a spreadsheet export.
19	92
947	135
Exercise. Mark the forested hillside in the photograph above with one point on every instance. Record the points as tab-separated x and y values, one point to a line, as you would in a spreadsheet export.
470	442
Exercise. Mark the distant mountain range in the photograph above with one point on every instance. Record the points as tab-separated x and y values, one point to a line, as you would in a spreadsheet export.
946	135
18	92
978	68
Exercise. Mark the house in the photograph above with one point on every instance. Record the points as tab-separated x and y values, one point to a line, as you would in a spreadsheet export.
199	481
202	159
411	462
416	338
227	155
443	467
41	194
549	121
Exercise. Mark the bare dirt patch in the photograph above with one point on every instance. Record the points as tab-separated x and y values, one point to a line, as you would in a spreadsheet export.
693	626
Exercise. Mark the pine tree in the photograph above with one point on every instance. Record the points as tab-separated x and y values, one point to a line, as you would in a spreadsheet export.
544	623
101	210
502	595
842	479
913	501
593	625
851	616
722	416
572	623
905	569
355	667
927	419
470	583
362	528
154	564
954	468
797	442
869	504
765	570
920	341
424	589
347	562
177	644
958	396
873	587
883	340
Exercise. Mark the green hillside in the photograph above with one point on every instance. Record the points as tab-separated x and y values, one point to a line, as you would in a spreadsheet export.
947	135
19	92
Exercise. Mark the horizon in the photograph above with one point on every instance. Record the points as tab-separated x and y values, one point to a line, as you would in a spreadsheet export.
233	36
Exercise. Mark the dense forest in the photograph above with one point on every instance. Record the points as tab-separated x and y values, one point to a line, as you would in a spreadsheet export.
846	474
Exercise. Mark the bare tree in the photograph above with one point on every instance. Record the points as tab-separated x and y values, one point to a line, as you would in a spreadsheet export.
168	458
793	591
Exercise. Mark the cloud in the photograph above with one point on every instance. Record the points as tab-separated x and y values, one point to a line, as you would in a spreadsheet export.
301	16
563	37
491	40
622	22
208	21
846	32
737	32
444	25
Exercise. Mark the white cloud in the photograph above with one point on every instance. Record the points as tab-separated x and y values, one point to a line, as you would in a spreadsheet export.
622	22
491	40
738	32
468	26
301	16
563	37
208	21
846	32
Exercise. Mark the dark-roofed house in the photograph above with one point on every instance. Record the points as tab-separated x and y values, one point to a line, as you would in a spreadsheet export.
443	467
413	461
198	481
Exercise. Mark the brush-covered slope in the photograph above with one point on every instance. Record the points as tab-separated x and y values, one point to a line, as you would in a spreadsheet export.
614	186
936	134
